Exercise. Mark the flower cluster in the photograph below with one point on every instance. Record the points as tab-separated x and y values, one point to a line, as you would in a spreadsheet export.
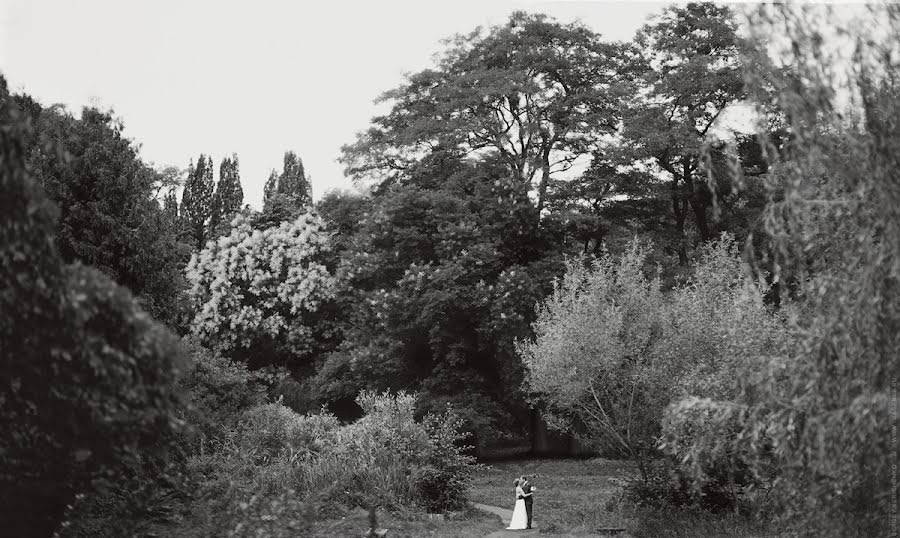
259	282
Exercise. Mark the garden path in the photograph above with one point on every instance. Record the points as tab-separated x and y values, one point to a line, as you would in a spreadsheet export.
506	517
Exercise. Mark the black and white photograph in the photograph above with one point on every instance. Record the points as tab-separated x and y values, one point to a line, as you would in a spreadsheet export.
408	268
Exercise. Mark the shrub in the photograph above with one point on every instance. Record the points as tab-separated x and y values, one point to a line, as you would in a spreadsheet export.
816	418
390	460
592	361
612	352
219	389
444	477
92	397
273	431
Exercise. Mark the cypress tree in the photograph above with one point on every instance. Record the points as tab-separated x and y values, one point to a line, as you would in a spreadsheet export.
269	190
228	197
293	181
197	200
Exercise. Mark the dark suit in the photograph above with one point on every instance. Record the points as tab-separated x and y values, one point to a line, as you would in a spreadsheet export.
529	501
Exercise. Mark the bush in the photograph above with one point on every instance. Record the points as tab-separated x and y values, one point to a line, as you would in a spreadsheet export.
220	389
593	360
92	397
816	419
667	485
445	475
613	352
273	431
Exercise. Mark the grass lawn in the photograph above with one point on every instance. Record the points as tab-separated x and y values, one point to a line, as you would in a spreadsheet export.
468	524
577	497
572	495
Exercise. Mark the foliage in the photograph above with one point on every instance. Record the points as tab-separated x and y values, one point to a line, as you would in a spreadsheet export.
227	199
611	351
109	217
446	471
197	201
385	459
255	291
592	359
90	397
388	459
286	195
437	280
219	389
817	419
272	431
533	92
689	70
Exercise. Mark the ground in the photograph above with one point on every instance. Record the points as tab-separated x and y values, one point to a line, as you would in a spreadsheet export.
471	523
581	498
574	497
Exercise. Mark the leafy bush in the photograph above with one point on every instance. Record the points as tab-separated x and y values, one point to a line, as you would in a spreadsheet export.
613	352
219	389
593	359
816	419
273	431
445	474
91	399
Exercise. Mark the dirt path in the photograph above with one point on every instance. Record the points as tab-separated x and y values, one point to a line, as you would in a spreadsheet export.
505	516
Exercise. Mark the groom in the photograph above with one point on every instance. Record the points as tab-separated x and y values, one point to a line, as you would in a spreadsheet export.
529	497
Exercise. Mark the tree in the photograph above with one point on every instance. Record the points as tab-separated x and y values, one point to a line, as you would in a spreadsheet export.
440	275
285	196
592	358
110	217
820	422
197	201
534	92
256	291
293	181
270	187
228	197
89	397
690	71
600	206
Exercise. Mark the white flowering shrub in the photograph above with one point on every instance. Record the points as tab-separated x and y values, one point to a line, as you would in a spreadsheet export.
260	286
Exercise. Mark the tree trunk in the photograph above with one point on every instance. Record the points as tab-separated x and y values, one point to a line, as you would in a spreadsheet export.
699	208
680	206
545	181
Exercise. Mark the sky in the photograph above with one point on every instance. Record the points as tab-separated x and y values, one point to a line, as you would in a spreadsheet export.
253	78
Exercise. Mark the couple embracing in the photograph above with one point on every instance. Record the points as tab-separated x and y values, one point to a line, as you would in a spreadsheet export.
521	518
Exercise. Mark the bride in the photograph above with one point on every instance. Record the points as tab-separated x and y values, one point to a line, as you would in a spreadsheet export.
519	517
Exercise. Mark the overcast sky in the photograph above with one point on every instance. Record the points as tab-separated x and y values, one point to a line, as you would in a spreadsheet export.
256	78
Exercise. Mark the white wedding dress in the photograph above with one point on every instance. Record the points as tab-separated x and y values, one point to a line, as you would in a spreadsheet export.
520	517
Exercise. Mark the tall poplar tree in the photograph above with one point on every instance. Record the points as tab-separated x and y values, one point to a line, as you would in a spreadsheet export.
228	197
286	195
196	202
293	181
270	188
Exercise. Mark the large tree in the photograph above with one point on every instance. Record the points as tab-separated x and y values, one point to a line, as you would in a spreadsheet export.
689	71
440	275
110	217
534	92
